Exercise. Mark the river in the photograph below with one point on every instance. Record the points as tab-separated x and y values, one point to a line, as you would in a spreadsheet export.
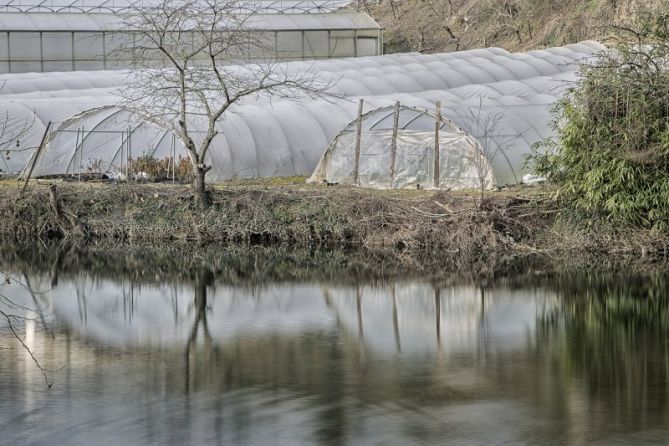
568	358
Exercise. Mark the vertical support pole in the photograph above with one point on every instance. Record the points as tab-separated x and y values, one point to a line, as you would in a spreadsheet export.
437	312
76	149
127	170
41	51
355	43
104	50
393	143
121	156
276	44
437	127
174	158
329	44
134	51
304	46
45	138
74	67
358	138
129	151
9	53
81	152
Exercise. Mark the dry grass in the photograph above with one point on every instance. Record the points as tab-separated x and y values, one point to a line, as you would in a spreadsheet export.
410	227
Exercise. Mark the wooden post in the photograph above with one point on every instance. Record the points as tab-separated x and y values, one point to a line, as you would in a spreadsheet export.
129	150
174	159
127	169
358	138
45	137
437	311
393	143
437	126
122	155
81	152
74	157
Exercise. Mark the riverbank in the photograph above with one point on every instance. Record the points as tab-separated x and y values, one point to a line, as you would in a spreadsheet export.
409	227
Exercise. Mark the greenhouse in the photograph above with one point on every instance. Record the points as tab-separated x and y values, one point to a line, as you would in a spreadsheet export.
260	137
74	35
400	147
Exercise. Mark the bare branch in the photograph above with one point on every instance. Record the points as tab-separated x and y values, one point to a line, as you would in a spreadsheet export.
216	59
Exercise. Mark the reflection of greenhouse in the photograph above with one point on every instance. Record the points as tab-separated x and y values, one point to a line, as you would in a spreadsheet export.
263	138
290	361
403	317
76	35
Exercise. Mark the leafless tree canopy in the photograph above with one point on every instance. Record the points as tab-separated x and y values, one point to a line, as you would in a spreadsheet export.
486	127
195	59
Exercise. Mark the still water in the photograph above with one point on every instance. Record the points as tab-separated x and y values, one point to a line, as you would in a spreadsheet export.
572	359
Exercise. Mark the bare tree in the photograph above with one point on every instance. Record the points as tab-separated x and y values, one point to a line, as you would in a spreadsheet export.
196	59
486	128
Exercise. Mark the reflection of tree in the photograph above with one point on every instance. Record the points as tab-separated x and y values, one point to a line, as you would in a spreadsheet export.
17	315
612	334
200	358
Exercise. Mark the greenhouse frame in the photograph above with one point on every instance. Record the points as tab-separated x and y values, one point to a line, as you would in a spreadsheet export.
402	147
262	137
74	35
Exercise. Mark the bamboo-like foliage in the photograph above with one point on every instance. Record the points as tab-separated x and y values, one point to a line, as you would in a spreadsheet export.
611	154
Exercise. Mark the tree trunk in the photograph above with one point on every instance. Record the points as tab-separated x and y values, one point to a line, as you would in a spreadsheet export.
199	186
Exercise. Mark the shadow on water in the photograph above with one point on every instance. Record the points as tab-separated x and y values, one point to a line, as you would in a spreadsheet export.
270	347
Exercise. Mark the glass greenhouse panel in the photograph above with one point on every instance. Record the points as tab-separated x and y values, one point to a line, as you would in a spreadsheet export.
89	46
342	43
368	46
57	46
4	47
25	46
316	44
289	44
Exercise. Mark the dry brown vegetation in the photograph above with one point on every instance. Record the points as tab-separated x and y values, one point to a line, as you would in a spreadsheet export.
413	228
516	25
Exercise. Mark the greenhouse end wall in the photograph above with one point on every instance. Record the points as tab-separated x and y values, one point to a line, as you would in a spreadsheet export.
44	42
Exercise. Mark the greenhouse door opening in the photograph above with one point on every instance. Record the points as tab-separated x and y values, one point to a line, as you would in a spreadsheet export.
402	147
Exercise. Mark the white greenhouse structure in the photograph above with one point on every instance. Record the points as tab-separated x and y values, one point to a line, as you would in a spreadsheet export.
279	137
400	147
75	35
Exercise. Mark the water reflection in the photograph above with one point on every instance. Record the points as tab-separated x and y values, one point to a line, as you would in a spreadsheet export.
573	360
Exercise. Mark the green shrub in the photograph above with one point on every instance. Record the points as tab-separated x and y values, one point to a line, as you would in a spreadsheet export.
610	156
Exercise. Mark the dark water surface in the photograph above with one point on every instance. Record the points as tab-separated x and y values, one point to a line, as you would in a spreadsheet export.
573	359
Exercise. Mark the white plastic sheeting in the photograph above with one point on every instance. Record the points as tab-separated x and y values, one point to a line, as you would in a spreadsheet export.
462	164
263	138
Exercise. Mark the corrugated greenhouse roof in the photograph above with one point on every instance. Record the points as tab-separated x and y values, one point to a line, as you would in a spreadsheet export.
43	21
107	6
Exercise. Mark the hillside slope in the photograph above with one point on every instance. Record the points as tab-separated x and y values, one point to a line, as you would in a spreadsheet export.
451	25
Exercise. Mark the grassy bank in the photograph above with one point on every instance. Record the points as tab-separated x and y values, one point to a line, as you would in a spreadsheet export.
407	226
